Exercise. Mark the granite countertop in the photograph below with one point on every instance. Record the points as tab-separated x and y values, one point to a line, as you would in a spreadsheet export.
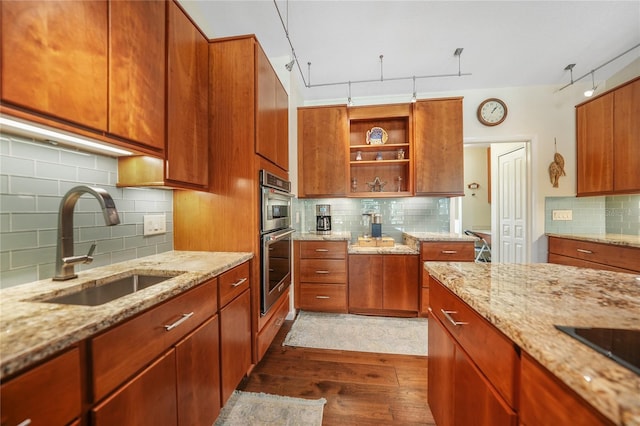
31	331
312	236
615	239
396	249
413	239
524	301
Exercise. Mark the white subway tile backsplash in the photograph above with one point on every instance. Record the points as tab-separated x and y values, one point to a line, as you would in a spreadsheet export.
33	178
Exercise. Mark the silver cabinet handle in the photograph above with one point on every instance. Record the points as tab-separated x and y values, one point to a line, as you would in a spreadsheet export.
449	251
279	321
180	321
240	281
26	422
322	272
323	297
322	250
447	315
584	251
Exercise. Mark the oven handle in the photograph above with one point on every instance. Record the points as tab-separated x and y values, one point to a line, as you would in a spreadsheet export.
279	235
268	189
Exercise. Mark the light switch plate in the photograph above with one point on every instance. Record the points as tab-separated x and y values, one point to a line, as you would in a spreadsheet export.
155	224
562	215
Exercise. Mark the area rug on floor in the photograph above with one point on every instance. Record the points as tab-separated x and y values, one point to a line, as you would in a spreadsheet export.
361	333
253	409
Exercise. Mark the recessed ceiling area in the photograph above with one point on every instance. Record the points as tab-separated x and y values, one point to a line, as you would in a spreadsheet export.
506	43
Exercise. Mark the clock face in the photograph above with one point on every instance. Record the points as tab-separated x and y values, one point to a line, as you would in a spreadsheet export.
492	112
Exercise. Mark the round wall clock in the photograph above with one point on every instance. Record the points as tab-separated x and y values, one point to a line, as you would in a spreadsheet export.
492	111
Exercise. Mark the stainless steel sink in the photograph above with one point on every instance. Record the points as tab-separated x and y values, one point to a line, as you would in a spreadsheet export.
109	290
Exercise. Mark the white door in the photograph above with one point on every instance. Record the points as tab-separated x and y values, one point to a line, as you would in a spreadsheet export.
512	206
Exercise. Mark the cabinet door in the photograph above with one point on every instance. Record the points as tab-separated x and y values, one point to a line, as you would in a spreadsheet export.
187	136
149	398
365	282
235	343
322	151
440	373
475	401
438	147
29	396
282	126
594	127
198	375
54	59
400	282
266	110
137	66
627	138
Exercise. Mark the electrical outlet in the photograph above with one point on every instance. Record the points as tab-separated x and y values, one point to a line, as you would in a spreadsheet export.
155	224
562	215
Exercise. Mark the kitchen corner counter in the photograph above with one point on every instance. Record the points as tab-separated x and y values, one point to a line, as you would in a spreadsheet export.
524	301
312	236
614	239
31	330
413	239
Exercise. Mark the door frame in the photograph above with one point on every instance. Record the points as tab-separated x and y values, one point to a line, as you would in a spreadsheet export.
530	143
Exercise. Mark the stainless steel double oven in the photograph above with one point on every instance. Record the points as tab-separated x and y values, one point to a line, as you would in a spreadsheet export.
275	238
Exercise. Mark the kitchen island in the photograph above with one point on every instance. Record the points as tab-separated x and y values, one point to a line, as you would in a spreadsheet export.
31	330
525	301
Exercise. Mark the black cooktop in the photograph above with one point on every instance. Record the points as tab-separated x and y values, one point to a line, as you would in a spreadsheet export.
622	346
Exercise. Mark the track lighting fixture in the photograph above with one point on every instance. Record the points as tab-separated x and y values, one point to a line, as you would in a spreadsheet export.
349	101
593	85
414	98
289	66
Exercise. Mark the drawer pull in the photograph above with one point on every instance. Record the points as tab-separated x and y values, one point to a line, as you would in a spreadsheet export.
322	250
447	315
322	272
323	297
25	422
180	321
279	321
449	251
239	282
584	251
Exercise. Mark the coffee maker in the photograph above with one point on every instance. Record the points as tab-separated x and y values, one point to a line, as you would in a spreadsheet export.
323	219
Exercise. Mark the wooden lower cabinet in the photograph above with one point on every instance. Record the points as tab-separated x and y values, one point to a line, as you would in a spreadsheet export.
235	342
545	401
474	367
383	283
586	254
48	394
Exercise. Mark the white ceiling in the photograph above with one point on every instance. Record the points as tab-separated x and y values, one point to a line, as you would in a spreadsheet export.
506	43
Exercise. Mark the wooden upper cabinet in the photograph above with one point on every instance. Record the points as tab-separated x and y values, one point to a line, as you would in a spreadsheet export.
137	65
272	105
608	148
187	107
54	59
595	146
626	177
323	141
438	147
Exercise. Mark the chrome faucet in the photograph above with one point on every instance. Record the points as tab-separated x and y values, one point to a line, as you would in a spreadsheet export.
65	260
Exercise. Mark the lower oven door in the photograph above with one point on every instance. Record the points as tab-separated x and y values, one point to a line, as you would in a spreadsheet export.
276	266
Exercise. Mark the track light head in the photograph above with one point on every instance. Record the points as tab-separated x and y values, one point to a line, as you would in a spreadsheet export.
289	66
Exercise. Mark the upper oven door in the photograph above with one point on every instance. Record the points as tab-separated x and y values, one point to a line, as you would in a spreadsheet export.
276	209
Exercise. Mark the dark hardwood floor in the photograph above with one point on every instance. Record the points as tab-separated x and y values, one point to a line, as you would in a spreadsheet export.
360	388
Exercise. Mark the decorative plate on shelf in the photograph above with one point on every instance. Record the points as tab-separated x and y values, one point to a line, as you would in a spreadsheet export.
377	136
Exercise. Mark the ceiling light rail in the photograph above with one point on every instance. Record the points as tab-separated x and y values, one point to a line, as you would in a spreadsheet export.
307	81
594	87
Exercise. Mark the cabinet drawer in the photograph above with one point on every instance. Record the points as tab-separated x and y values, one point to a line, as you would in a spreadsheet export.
323	297
572	261
448	251
29	396
493	353
233	282
270	329
323	271
323	250
606	254
117	354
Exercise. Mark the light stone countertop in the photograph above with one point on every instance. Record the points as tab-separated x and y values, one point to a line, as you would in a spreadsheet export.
614	239
312	236
413	239
396	249
524	301
31	331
